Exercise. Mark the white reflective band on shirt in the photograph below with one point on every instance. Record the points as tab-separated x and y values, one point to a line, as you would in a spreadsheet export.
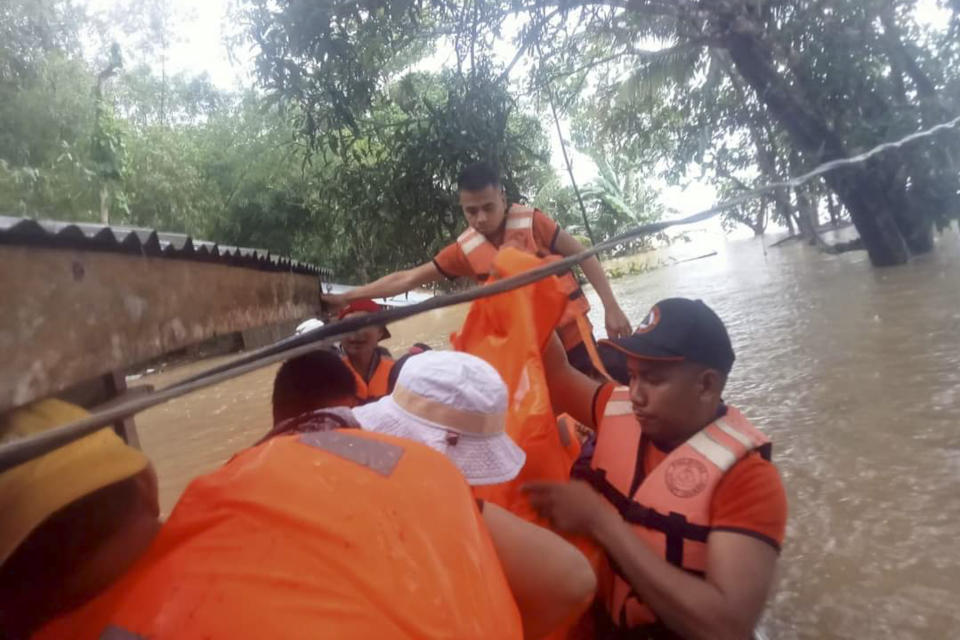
716	453
519	222
733	433
618	408
471	243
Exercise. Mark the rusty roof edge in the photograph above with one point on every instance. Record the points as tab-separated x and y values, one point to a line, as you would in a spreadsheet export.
141	241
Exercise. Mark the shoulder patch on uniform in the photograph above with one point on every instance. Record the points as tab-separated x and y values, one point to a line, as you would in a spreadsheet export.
381	457
686	477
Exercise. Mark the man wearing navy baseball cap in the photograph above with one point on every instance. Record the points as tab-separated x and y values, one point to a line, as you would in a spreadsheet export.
679	328
699	510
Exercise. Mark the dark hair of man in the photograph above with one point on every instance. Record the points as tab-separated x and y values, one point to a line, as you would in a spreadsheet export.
477	176
700	369
30	578
315	380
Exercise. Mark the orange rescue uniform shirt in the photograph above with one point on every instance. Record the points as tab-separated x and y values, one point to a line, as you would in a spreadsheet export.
750	498
453	264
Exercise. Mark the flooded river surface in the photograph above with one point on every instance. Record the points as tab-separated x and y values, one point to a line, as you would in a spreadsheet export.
855	374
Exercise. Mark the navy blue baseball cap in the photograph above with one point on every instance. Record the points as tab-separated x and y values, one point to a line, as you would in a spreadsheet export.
680	329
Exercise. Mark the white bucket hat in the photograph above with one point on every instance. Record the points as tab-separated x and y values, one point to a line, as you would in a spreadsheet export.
455	403
308	325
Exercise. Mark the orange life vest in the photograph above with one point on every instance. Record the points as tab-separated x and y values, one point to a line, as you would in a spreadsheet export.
338	534
509	331
518	233
378	384
670	508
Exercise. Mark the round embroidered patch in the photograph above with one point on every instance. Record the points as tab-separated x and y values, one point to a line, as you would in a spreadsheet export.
651	320
686	477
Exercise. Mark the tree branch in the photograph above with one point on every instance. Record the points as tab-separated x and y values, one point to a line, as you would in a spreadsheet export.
723	173
527	42
473	37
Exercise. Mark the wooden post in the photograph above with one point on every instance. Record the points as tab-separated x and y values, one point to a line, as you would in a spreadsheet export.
116	384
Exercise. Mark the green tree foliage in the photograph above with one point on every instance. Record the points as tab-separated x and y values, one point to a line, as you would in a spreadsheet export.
88	139
775	88
390	190
66	131
335	58
107	152
809	82
46	125
350	157
46	112
398	139
618	200
29	30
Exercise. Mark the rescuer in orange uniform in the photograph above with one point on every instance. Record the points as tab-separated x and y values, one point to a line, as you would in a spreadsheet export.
493	224
369	365
698	511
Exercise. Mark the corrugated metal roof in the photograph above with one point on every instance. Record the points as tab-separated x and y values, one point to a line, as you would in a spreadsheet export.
147	242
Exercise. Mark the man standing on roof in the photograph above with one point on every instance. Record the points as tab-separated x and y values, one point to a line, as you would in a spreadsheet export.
493	224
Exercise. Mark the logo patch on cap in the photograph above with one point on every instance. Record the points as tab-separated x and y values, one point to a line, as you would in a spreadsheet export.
649	322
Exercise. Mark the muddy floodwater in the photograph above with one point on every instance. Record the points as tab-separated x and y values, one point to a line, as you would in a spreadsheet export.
853	371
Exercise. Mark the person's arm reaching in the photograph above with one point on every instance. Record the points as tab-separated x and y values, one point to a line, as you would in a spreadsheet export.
570	390
552	582
617	323
389	285
724	605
